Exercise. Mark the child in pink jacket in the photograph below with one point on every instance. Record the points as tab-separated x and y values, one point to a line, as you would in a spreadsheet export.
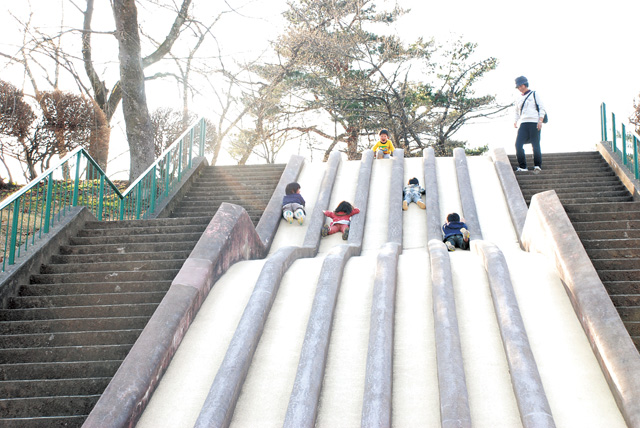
340	219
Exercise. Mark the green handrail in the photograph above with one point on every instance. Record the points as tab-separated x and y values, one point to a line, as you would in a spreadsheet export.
629	153
29	214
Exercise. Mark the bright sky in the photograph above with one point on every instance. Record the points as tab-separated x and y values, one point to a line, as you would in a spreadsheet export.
575	55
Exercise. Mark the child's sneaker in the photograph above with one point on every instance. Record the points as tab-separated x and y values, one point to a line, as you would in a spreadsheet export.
450	246
301	220
421	204
299	215
405	205
345	234
325	230
465	234
288	215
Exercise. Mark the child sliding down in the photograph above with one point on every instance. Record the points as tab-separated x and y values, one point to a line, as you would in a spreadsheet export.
456	233
340	219
413	193
293	204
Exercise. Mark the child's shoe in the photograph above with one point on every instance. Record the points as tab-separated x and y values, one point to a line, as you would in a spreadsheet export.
288	215
405	205
450	246
325	230
299	215
421	204
345	234
465	234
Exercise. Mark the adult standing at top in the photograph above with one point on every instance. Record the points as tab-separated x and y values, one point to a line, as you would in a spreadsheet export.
530	112
383	148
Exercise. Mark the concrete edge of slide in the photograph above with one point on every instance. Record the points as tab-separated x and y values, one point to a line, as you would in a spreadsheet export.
432	198
515	201
229	237
270	219
466	193
533	405
452	385
394	220
376	407
549	231
361	199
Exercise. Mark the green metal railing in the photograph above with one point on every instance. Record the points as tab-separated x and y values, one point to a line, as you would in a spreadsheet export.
627	143
77	180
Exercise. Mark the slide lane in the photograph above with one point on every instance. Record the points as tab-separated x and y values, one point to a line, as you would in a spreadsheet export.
574	384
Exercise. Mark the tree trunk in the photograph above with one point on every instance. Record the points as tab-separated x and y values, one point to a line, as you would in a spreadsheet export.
134	99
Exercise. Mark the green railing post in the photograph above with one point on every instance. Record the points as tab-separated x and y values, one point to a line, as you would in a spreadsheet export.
101	197
191	133
203	135
138	200
76	183
180	160
14	231
167	165
121	215
624	145
635	156
47	209
152	203
613	131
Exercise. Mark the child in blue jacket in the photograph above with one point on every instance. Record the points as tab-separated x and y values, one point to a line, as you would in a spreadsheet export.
456	233
293	204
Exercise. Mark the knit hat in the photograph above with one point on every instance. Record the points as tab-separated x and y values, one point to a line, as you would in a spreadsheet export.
414	181
521	81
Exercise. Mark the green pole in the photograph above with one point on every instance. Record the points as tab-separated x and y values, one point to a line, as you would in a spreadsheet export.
77	182
635	155
14	231
152	203
47	209
203	135
191	133
613	131
624	145
101	197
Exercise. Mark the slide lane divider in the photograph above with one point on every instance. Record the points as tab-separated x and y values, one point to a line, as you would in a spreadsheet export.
515	201
378	389
432	197
533	405
466	193
454	398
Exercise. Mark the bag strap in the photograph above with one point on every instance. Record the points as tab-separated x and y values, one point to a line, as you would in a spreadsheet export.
525	100
534	100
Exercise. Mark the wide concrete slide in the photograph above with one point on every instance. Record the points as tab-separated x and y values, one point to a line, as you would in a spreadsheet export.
574	385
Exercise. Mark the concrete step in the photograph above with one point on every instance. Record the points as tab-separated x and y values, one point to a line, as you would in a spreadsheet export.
525	180
607	244
72	405
59	370
626	299
629	313
87	312
619	275
124	224
84	300
604	216
607	235
614	253
633	327
607	225
121	257
137	239
64	353
602	193
75	338
117	276
53	387
622	287
565	188
72	325
93	288
602	207
123	248
592	200
132	231
132	266
616	264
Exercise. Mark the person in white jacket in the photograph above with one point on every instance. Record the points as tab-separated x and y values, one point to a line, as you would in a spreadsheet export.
530	112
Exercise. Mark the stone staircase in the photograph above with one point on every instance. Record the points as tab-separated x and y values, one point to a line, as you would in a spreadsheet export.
605	217
249	186
65	334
